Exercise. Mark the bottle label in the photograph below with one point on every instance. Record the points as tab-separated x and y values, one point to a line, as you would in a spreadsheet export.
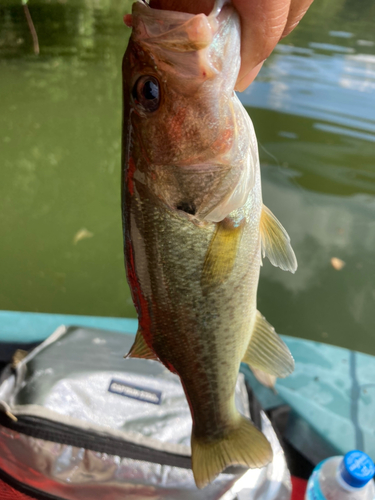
314	491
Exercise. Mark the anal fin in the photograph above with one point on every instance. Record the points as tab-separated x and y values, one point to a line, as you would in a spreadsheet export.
140	349
221	253
266	350
276	242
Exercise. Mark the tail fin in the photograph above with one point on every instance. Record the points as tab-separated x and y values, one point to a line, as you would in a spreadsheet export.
244	445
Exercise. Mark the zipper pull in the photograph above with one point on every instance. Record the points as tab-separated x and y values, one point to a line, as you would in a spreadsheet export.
11	416
6	409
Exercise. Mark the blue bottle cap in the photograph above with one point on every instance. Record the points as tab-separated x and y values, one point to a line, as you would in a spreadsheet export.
357	468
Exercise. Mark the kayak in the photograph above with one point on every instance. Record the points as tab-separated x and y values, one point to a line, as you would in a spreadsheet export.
324	408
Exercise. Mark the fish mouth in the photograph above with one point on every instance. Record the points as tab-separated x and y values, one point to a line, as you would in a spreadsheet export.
175	31
182	43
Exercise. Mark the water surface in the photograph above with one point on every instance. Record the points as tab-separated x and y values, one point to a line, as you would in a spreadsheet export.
313	106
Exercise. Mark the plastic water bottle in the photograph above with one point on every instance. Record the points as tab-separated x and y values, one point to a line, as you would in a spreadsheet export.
343	478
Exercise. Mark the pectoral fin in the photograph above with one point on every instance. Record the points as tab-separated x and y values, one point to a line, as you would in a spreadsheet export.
266	350
140	349
221	253
276	242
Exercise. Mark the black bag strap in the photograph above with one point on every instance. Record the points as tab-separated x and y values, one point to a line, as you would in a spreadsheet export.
29	491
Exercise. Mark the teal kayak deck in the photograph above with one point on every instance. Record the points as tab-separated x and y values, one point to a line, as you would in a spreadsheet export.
28	327
331	393
332	396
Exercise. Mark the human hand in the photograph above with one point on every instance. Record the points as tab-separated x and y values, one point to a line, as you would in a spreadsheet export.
263	24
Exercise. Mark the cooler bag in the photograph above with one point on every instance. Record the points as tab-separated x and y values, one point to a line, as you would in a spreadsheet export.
80	422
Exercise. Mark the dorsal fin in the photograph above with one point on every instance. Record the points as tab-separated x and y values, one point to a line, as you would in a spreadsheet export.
266	350
275	242
140	349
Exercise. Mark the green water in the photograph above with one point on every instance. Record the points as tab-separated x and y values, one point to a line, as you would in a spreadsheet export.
313	106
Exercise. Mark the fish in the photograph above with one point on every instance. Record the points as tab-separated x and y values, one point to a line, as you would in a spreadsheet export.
195	227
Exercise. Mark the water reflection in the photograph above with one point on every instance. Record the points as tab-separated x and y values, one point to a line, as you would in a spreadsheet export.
318	301
335	88
313	108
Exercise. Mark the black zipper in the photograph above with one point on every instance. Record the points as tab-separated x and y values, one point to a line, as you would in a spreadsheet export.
57	432
42	428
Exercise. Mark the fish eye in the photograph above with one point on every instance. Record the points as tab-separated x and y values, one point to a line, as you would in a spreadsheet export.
146	93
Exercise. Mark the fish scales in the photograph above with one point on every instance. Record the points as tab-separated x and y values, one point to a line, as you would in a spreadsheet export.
195	225
192	330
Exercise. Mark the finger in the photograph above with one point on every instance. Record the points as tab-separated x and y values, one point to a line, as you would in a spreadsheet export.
189	6
262	25
245	82
297	10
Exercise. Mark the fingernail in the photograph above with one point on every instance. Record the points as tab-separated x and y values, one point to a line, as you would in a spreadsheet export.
247	79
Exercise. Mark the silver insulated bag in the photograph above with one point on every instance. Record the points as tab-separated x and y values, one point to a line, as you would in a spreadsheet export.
80	422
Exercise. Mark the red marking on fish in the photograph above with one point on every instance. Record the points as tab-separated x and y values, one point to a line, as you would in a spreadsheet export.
130	175
139	300
177	126
128	20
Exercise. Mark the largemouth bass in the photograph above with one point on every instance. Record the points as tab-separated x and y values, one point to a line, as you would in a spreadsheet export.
195	227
